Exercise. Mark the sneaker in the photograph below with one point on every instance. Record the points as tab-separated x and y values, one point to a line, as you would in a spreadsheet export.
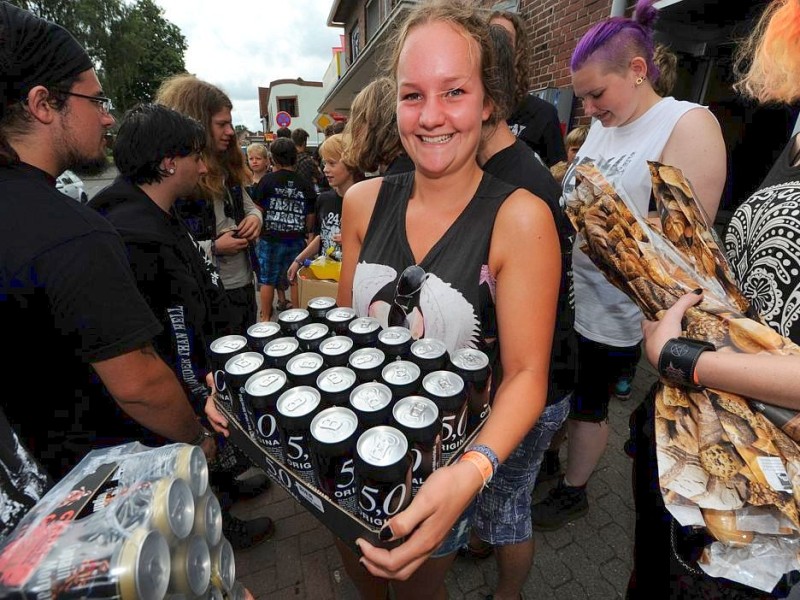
622	390
562	505
550	467
246	534
249	484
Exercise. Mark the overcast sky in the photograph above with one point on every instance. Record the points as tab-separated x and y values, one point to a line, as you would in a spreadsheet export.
240	45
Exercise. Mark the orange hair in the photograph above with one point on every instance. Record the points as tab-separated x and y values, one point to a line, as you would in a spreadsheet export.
768	61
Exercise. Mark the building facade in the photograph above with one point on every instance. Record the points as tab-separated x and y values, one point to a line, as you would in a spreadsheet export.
296	98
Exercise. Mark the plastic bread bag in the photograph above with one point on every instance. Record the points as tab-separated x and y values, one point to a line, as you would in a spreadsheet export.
717	452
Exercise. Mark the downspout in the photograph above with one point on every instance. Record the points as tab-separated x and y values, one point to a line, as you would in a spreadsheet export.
618	8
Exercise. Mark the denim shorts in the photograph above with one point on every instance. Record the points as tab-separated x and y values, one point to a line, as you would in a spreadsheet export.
459	534
503	511
275	256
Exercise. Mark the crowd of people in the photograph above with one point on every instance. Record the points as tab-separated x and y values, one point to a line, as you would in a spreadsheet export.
445	167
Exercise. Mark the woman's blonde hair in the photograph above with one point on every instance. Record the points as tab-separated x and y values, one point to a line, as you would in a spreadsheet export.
259	149
768	61
201	100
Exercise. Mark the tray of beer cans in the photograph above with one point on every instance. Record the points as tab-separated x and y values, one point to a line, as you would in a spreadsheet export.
348	417
128	522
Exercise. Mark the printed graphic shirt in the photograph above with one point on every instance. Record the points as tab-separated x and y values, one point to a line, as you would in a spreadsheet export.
763	244
286	199
457	300
535	122
329	221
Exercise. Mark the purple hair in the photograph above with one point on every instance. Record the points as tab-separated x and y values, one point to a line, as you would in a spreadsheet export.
618	39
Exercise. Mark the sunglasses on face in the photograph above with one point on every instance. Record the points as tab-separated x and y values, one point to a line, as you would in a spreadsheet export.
406	295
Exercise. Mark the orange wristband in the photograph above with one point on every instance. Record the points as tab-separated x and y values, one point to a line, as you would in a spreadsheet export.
483	464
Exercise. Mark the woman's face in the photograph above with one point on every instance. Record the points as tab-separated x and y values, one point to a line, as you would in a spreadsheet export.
608	96
257	162
336	172
440	98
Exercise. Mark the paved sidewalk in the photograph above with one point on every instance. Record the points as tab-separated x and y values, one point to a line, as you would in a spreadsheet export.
590	558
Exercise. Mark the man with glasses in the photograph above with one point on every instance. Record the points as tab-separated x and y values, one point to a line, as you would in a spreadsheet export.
82	372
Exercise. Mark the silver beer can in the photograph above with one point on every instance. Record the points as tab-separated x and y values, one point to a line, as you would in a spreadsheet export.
383	474
419	420
335	384
430	354
402	376
262	391
364	331
473	367
372	403
395	342
208	518
304	368
335	350
319	306
280	350
238	370
220	351
223	565
447	390
293	319
191	567
296	409
367	363
259	334
334	432
311	336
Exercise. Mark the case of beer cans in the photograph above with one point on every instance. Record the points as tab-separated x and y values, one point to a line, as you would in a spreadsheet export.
351	422
128	522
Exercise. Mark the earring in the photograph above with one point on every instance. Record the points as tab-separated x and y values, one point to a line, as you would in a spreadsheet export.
639	80
171	171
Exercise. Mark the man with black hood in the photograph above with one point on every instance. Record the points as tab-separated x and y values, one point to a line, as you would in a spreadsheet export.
81	371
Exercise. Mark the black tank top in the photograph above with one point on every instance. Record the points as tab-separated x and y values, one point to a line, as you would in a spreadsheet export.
456	302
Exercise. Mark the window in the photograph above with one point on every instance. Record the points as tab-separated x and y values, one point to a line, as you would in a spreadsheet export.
373	18
355	40
288	105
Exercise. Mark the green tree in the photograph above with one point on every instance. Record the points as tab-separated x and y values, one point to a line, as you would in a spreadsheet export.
134	47
146	50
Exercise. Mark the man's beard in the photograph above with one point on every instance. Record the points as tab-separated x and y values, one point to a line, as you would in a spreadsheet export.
86	166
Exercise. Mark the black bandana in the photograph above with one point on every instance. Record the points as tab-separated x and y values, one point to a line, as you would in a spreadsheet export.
34	52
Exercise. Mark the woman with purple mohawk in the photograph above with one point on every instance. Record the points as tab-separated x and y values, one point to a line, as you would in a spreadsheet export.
613	74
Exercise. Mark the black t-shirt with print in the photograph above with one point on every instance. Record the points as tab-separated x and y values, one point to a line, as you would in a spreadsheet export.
329	220
286	199
535	122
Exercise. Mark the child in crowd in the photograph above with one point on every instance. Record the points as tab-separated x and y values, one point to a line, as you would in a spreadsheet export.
573	142
287	201
258	161
340	176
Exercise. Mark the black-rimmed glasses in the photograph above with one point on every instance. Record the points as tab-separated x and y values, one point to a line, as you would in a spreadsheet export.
406	295
105	104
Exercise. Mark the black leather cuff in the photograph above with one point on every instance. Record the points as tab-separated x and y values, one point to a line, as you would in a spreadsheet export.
678	359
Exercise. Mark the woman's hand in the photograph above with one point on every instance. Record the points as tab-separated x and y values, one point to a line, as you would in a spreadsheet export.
249	228
425	523
215	418
656	333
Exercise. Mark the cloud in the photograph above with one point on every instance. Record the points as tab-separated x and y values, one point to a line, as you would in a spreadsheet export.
241	45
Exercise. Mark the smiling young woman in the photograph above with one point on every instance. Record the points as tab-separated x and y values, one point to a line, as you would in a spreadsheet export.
465	230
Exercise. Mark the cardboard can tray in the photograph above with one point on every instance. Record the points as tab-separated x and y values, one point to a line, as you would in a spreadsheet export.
344	525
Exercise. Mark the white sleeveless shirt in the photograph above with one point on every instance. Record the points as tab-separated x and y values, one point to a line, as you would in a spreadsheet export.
602	312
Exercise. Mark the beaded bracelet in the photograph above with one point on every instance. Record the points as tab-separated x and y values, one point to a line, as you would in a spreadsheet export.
678	359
